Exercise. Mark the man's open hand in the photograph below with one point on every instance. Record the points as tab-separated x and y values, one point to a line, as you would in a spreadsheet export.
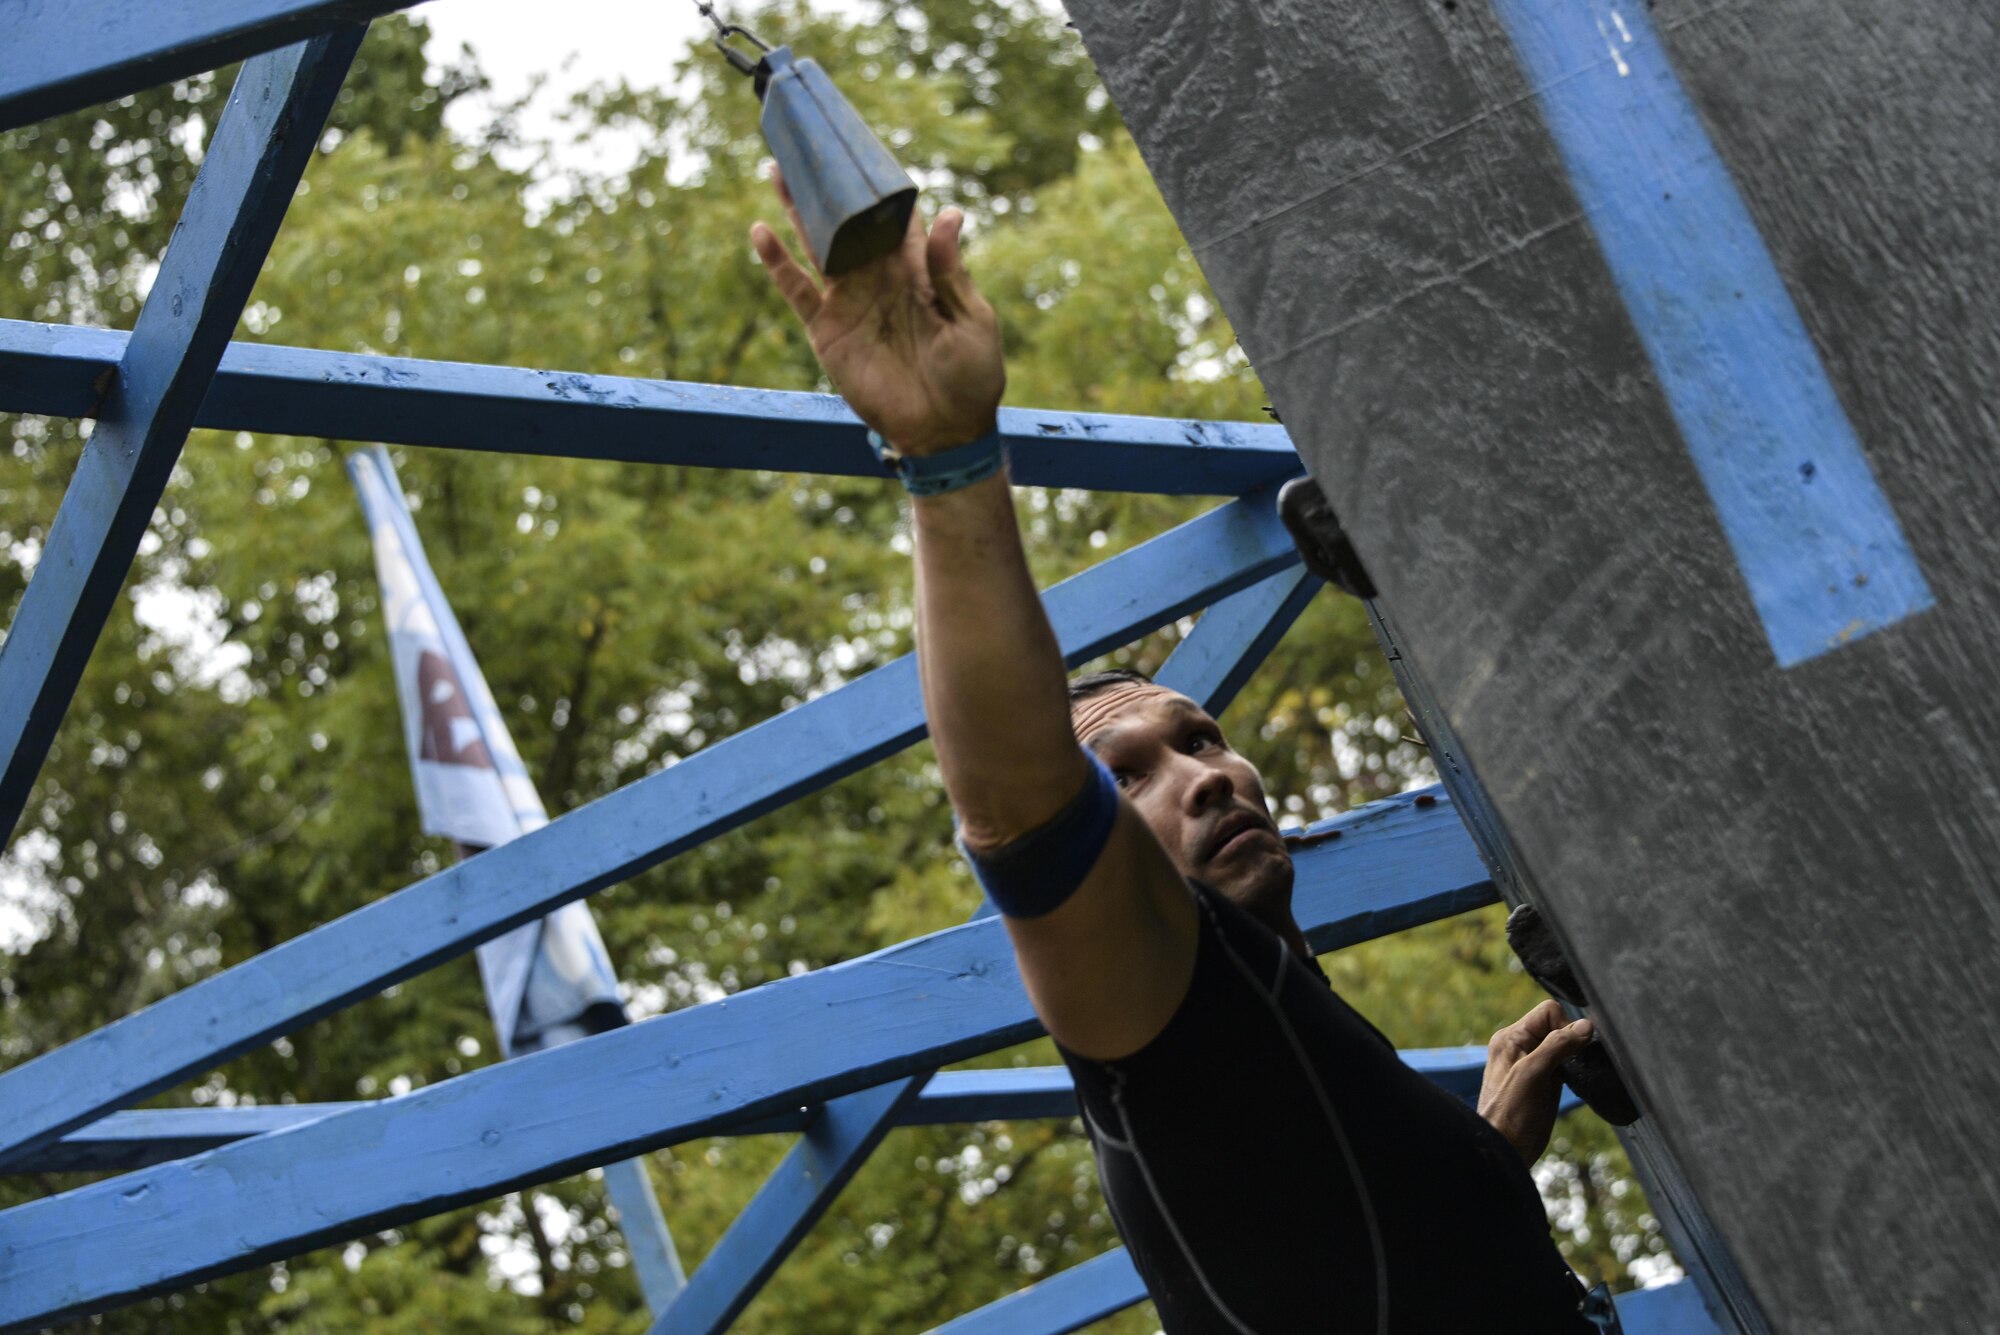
907	340
1523	1083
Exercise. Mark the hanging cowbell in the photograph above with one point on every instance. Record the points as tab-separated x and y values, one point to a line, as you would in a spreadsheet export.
853	198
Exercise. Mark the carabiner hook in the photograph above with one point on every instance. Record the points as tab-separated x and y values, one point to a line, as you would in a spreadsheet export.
743	61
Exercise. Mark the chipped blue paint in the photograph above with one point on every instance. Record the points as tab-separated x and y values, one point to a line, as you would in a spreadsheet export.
128	1140
619	835
66	54
1818	545
693	1072
519	410
260	149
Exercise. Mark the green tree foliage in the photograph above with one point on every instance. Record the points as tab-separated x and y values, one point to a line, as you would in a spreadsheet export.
231	772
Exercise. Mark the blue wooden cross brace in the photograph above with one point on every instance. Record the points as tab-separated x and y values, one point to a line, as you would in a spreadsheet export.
689	1073
607	841
261	147
1068	1301
66	54
128	1140
1107	1283
510	409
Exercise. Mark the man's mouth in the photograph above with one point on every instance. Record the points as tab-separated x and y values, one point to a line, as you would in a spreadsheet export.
1235	829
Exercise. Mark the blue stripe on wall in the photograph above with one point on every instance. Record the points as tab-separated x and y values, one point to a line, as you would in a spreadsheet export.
1822	552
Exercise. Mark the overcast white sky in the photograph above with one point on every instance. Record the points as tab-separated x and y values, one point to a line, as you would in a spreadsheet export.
574	44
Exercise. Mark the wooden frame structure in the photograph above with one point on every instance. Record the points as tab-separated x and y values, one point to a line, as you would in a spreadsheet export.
842	1055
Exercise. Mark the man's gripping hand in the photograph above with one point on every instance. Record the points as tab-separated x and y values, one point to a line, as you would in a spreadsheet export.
907	340
1523	1082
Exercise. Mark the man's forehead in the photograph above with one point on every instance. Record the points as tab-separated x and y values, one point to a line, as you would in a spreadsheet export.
1124	702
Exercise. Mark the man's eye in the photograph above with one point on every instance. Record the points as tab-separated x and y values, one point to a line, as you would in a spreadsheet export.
1199	742
1123	778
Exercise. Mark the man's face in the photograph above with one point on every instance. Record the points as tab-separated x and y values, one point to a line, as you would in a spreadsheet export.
1202	801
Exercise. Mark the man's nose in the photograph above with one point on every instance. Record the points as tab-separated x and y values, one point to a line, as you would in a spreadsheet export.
1210	788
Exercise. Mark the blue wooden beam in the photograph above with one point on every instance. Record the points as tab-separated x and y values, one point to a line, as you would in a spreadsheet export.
1067	1300
647	1238
997	1094
65	54
51	369
1226	645
128	1140
695	1072
617	836
260	149
1233	638
1108	1283
1669	1309
838	1140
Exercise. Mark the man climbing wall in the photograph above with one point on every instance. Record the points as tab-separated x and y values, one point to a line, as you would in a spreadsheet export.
1147	895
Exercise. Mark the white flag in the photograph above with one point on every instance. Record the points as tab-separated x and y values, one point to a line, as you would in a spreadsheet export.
547	981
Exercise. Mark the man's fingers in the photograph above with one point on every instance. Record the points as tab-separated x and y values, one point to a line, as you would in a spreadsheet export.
1563	1043
1521	1037
946	262
1542	1021
798	228
798	290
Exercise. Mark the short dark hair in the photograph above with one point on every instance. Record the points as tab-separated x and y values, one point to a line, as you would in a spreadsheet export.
1090	683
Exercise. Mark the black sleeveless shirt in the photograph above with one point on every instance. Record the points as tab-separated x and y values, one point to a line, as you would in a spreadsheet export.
1275	1168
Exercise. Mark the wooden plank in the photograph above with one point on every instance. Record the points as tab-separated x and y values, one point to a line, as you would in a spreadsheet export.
690	1073
644	1227
260	149
1108	1283
66	54
403	401
1067	1300
1668	1309
838	1140
1233	638
724	786
127	1140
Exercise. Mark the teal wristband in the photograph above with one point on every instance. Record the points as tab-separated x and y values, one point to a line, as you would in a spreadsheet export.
934	474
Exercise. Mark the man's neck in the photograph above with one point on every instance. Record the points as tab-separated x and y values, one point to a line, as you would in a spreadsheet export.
1288	932
1277	916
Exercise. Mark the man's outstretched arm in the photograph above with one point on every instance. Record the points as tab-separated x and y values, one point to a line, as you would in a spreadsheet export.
915	350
